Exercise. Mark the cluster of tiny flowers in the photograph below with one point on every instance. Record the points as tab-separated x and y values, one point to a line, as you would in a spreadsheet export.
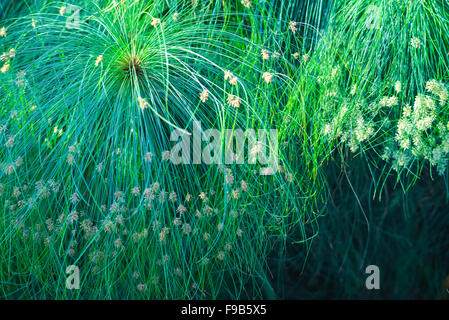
143	104
419	135
439	89
11	167
7	58
98	60
155	22
204	96
233	101
230	77
267	77
293	26
246	3
415	42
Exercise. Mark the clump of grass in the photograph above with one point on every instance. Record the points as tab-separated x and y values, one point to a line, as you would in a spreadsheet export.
85	173
383	90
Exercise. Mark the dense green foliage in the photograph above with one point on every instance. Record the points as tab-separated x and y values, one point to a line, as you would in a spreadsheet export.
89	99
